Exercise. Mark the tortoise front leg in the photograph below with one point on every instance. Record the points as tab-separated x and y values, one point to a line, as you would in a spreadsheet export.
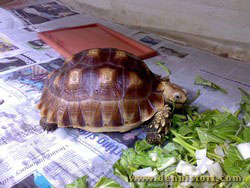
47	126
159	126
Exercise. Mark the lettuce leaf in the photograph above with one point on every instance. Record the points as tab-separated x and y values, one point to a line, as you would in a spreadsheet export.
245	106
105	182
201	81
80	182
141	146
162	65
231	163
205	136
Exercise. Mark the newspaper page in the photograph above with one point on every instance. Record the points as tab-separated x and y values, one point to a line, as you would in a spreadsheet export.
148	39
8	21
9	48
49	15
77	20
14	4
13	63
44	12
71	21
37	49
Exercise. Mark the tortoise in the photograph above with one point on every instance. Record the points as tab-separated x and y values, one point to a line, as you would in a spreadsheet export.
108	90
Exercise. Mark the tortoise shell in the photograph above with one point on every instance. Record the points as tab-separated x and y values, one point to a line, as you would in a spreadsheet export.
101	90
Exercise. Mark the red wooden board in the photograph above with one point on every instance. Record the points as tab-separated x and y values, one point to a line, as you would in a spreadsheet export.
70	41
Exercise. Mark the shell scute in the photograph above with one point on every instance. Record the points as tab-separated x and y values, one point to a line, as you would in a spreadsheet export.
107	83
111	114
92	113
130	111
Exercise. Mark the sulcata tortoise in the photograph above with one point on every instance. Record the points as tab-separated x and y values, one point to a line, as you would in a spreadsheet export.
108	90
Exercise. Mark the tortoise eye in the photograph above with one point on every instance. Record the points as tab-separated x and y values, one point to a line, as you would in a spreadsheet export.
177	96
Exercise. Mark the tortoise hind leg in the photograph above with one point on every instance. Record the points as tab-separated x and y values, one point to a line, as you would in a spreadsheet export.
47	126
159	126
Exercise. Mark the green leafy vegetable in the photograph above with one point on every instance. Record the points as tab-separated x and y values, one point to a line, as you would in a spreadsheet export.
144	159
205	136
192	131
142	146
201	81
162	65
246	134
230	164
185	130
198	93
245	106
120	170
171	146
225	126
80	182
105	182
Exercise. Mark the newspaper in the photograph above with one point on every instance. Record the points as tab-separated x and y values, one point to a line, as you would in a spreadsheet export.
44	12
8	21
148	39
36	49
9	4
9	48
77	20
49	15
13	63
66	154
33	50
72	21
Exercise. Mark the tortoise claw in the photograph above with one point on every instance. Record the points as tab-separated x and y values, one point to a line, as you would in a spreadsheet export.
163	122
154	139
159	126
159	130
47	126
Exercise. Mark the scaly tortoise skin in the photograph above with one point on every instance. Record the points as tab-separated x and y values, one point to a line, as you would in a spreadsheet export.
107	90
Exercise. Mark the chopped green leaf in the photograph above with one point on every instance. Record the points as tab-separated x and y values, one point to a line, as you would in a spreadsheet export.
245	106
144	159
184	130
120	170
171	146
80	182
231	166
105	182
126	161
245	96
155	184
201	81
237	139
246	134
205	136
234	154
227	125
166	163
198	93
142	146
162	65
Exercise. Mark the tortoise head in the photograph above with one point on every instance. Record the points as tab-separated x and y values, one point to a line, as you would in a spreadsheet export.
174	93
